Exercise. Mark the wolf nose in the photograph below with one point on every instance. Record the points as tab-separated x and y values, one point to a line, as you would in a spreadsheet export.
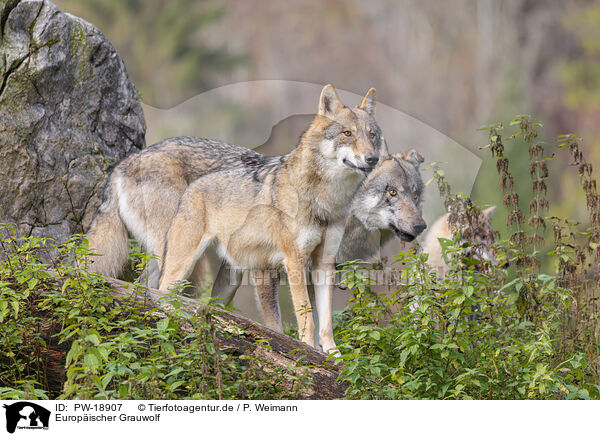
371	159
419	228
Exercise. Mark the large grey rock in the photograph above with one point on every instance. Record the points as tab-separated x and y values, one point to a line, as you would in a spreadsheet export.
68	114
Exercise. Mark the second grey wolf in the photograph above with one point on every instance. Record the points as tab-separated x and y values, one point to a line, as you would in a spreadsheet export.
387	204
263	212
482	236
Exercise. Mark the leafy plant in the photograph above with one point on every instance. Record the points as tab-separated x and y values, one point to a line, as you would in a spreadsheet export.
483	332
114	349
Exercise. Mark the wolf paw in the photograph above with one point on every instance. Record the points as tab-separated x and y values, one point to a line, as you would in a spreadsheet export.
331	349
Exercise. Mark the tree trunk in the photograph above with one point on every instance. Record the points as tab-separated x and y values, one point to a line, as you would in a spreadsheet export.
235	334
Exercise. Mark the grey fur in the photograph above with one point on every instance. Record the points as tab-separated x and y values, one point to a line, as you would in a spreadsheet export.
145	195
375	217
368	226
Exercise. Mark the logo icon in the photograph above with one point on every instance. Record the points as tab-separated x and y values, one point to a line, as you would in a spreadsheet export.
26	415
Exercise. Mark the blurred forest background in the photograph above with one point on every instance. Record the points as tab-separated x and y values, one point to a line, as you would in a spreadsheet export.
456	66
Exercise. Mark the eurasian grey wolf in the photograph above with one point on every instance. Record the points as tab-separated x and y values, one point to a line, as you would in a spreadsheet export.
262	211
387	204
142	194
482	236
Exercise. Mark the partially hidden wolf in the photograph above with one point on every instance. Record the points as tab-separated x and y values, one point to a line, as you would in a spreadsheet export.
481	235
260	211
387	204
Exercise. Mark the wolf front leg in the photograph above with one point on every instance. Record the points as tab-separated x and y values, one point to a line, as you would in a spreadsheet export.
267	290
302	307
323	275
226	284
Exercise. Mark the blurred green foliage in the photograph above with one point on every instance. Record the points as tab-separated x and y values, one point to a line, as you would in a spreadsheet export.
581	76
576	71
164	44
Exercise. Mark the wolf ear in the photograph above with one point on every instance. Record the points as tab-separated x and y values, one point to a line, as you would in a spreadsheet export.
385	151
413	157
368	102
329	102
490	211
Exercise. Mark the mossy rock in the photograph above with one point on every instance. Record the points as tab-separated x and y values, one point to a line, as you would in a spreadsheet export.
68	114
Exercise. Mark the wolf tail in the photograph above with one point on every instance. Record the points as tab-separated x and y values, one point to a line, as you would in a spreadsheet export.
107	235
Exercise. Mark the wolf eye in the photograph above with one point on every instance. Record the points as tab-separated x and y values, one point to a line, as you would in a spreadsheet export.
415	196
371	135
392	192
347	133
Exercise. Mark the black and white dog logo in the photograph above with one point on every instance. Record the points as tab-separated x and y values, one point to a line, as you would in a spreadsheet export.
26	415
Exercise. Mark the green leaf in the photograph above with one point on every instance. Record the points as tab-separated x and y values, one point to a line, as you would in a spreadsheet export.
103	352
403	357
106	380
375	335
91	360
177	384
468	291
162	324
174	372
15	306
168	348
73	353
94	338
123	391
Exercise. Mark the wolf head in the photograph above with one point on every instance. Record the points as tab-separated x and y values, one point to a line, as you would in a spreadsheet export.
391	197
349	138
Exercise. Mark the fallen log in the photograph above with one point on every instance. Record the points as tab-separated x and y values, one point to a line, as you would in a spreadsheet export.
234	334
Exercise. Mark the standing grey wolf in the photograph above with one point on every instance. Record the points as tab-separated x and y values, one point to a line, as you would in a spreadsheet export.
387	204
482	236
263	211
282	210
142	194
